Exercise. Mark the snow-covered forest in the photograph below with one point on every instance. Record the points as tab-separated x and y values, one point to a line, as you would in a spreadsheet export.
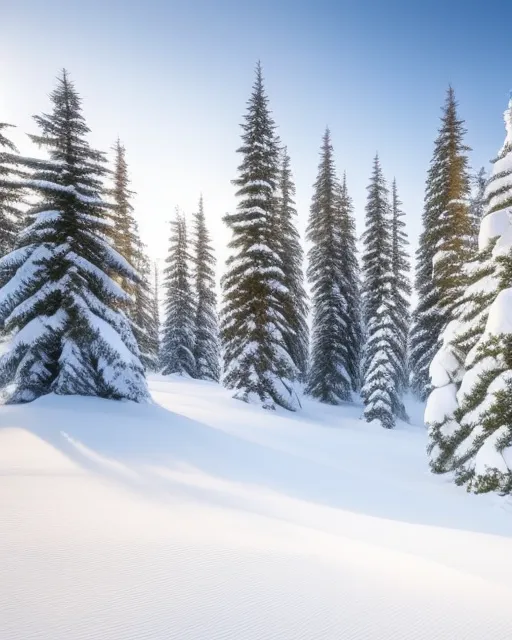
85	311
266	448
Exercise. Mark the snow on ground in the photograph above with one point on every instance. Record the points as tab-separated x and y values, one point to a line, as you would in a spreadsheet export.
203	518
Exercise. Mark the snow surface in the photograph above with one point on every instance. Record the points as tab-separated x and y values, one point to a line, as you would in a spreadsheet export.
203	518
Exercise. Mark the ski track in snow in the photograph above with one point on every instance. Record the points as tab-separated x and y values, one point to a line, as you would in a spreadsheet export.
202	518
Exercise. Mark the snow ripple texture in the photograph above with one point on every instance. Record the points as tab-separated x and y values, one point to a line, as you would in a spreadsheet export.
202	518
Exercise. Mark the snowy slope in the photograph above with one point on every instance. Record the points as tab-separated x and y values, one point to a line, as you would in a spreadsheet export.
202	518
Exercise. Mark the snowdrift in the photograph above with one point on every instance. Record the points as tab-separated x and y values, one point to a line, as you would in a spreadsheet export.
203	518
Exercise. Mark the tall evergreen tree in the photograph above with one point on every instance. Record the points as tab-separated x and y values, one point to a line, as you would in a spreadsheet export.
206	330
177	349
477	442
292	257
445	240
401	291
381	382
333	373
258	364
11	195
354	334
60	296
124	226
126	238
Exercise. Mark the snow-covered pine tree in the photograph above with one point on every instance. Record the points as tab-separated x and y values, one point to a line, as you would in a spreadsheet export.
60	297
334	369
348	239
381	382
292	257
142	311
258	365
206	328
126	238
445	240
177	348
11	196
401	291
479	446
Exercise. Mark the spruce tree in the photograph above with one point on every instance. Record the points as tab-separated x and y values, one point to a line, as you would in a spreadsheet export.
60	295
177	349
11	194
142	311
258	365
445	241
477	445
126	238
292	257
381	383
124	226
401	291
332	273
354	334
206	329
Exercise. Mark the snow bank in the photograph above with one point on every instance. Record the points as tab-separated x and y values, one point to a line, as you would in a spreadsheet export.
202	518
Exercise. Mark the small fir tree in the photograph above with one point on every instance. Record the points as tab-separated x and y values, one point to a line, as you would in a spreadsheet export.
333	373
177	349
401	291
143	311
126	238
206	331
380	391
292	257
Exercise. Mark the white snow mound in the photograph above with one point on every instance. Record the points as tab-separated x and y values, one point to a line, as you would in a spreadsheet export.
204	518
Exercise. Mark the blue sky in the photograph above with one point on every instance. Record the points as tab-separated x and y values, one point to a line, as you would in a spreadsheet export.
171	78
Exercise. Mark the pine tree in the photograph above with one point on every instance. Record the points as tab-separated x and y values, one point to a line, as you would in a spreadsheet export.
177	350
292	257
333	374
257	362
354	334
60	296
124	226
126	238
11	195
478	443
381	383
401	291
142	311
445	241
206	330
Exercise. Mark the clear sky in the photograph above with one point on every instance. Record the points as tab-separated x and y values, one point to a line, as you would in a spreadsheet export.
171	78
